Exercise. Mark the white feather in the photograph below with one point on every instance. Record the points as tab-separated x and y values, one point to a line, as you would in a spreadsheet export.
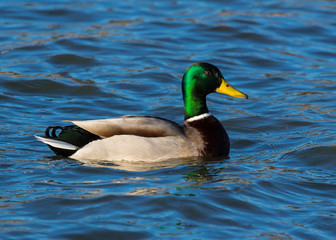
136	148
198	117
57	143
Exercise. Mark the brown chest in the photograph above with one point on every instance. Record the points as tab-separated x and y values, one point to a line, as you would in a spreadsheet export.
212	137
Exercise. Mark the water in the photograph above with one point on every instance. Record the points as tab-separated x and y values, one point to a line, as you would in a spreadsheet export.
97	59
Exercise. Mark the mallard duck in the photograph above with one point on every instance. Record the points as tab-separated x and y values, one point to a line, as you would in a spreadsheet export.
145	138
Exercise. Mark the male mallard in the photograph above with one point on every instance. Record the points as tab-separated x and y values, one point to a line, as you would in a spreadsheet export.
144	138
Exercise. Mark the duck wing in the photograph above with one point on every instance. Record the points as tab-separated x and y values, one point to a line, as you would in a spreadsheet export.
144	126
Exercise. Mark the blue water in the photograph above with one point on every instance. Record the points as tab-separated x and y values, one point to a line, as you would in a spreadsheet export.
81	60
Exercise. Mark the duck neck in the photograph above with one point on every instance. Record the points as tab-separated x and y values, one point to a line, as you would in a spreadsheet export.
194	106
194	101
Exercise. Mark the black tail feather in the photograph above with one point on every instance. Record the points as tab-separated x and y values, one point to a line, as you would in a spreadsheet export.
71	134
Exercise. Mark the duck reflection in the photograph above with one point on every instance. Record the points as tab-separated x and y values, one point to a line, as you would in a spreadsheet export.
146	166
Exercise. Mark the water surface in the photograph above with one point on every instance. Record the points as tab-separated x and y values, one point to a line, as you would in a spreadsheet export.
97	59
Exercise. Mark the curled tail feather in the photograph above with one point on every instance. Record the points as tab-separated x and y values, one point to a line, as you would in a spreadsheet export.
68	140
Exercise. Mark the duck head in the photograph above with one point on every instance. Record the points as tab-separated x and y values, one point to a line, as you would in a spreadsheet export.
199	80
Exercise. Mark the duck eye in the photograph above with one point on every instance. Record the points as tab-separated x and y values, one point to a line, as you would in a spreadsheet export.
207	73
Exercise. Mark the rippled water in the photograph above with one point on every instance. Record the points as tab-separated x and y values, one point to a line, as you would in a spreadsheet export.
99	59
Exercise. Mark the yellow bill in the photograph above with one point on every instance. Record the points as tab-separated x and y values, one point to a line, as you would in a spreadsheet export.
227	89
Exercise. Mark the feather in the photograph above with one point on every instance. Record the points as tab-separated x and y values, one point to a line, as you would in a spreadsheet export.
57	143
136	148
131	125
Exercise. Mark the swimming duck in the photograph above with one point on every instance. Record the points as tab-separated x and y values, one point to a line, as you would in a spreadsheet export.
145	138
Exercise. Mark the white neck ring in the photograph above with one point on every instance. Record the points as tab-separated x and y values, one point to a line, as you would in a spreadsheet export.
198	117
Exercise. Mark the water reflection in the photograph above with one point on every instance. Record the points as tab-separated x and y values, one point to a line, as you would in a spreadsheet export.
145	166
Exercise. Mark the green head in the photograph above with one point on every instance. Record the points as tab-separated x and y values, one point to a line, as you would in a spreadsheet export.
198	81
